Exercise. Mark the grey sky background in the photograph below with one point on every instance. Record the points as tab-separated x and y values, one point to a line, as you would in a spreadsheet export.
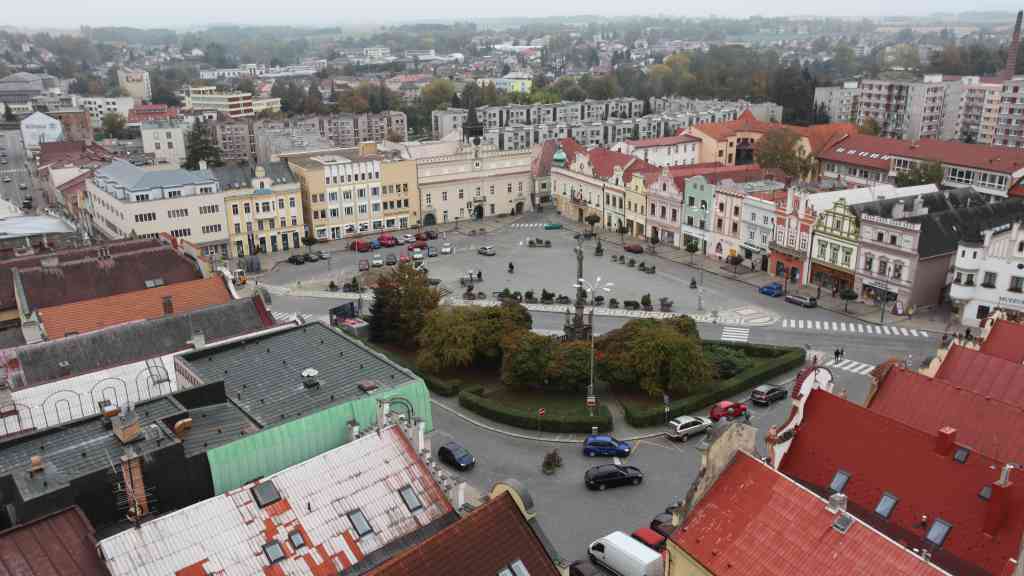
350	14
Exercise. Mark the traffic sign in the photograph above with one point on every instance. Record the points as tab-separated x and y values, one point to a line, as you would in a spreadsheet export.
591	401
540	412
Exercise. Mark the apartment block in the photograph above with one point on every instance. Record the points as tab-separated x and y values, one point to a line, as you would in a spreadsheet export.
235	138
839	102
135	83
231	104
98	107
165	141
263	208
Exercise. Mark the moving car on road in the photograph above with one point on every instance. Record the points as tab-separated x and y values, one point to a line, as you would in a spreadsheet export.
728	410
683	428
774	290
766	394
801	300
604	445
633	248
486	251
612	475
447	248
454	455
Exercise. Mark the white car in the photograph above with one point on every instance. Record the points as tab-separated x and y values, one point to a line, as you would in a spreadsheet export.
447	248
417	254
7	178
685	427
408	238
377	261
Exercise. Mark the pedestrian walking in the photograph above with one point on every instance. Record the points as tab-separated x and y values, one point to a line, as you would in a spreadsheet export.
842	353
835	355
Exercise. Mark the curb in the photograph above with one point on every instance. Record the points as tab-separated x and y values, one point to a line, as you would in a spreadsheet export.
522	436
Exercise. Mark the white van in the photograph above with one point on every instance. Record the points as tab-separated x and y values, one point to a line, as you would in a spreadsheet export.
626	556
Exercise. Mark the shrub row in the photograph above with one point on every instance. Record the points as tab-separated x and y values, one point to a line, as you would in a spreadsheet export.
751	350
441	386
758	374
472	399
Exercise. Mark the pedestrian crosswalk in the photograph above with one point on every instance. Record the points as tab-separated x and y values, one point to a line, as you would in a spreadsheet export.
850	366
527	225
852	328
735	334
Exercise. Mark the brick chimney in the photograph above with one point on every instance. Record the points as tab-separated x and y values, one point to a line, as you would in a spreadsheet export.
944	441
999	503
168	305
1011	56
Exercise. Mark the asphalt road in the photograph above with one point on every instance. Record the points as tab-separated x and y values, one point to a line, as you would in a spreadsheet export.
15	168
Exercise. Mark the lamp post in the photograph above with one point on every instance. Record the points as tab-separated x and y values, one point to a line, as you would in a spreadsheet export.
590	288
704	240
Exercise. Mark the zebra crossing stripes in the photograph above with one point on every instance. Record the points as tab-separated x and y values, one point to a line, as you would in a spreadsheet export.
852	327
850	366
527	225
735	334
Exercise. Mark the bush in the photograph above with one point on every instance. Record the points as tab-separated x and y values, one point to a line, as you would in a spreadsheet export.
472	399
528	295
545	295
442	387
786	360
645	300
727	362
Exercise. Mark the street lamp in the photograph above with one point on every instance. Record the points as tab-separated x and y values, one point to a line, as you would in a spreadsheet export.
704	240
590	288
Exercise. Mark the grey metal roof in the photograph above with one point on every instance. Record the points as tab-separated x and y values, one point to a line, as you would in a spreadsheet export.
19	226
126	343
234	177
132	177
82	447
263	375
214	426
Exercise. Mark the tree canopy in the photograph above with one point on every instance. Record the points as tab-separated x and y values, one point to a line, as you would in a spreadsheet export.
780	149
921	173
199	146
402	301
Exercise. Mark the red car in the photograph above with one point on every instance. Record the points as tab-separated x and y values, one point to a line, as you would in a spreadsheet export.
360	246
421	244
387	240
728	410
634	248
650	538
422	236
403	258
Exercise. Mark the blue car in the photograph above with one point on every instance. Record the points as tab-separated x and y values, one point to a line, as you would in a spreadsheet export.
375	244
604	445
774	290
456	456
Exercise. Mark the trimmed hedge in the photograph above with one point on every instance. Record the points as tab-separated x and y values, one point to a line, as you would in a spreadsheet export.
786	360
440	386
472	399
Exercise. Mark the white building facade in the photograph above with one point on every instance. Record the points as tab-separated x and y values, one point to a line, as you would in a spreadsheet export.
38	128
989	275
165	141
757	230
678	150
98	107
474	182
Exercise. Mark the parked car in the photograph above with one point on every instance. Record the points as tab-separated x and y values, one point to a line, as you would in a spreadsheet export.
774	289
552	226
612	475
417	245
417	254
625	556
378	260
408	238
447	248
586	568
431	252
650	538
311	256
801	300
360	246
766	394
728	410
604	445
7	178
387	240
422	236
323	254
22	186
634	248
486	251
375	244
684	427
454	455
296	259
391	260
364	265
431	235
404	258
26	204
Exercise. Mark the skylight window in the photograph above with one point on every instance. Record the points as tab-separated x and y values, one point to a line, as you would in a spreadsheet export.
265	494
839	481
938	532
516	568
296	539
886	504
986	492
961	454
274	551
412	501
360	523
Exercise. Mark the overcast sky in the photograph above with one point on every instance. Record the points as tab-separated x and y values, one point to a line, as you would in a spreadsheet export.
349	13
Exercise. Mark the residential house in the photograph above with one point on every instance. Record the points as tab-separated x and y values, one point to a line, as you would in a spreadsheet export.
135	83
235	139
698	183
668	151
142	113
341	192
757	231
263	208
834	248
726	218
794	225
987	268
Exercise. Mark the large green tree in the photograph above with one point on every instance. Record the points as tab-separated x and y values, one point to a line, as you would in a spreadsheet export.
402	300
525	359
113	124
199	146
455	337
655	357
921	173
780	149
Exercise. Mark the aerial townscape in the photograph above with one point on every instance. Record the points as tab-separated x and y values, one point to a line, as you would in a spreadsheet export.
444	291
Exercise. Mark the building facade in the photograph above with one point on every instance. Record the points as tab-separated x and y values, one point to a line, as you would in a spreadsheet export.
757	230
838	102
988	274
473	182
76	124
699	195
666	209
727	218
678	150
794	225
165	141
98	107
263	209
38	128
135	83
888	262
834	247
235	139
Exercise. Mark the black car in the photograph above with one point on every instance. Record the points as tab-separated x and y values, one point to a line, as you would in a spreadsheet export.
309	257
766	394
431	235
391	260
611	475
296	259
586	568
454	455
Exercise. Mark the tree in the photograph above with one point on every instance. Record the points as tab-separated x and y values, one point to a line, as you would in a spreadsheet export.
846	295
246	85
448	339
781	149
656	356
869	126
113	124
402	300
9	114
692	247
592	219
569	367
199	146
921	173
525	359
437	95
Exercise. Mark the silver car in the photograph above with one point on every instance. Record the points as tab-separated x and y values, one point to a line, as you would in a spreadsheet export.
684	427
447	248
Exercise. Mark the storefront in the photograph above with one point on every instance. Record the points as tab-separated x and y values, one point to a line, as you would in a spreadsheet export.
756	254
829	278
878	291
787	265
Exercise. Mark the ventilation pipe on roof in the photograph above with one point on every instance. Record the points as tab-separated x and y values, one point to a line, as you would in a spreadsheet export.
310	378
999	503
836	503
945	440
36	465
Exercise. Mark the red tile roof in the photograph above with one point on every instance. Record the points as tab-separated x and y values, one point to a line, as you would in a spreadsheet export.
756	521
541	163
715	172
1004	341
73	152
61	544
605	161
480	544
877	153
986	375
666	141
89	315
882	455
987	425
821	136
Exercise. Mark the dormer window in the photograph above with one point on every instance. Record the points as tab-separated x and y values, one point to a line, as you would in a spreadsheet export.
839	481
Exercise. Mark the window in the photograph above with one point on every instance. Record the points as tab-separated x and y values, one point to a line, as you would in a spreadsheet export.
839	480
359	523
986	492
234	209
295	537
938	532
886	504
273	551
516	568
1016	284
291	202
247	209
690	201
961	454
869	262
897	270
970	280
822	250
880	237
412	501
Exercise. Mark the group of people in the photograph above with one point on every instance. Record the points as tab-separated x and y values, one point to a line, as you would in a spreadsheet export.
839	354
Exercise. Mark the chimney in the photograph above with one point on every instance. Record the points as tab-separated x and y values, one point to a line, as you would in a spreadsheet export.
168	305
126	425
999	503
944	441
836	503
36	464
198	339
1011	57
181	427
131	476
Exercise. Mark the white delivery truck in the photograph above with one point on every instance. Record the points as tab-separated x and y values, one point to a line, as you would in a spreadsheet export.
626	556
